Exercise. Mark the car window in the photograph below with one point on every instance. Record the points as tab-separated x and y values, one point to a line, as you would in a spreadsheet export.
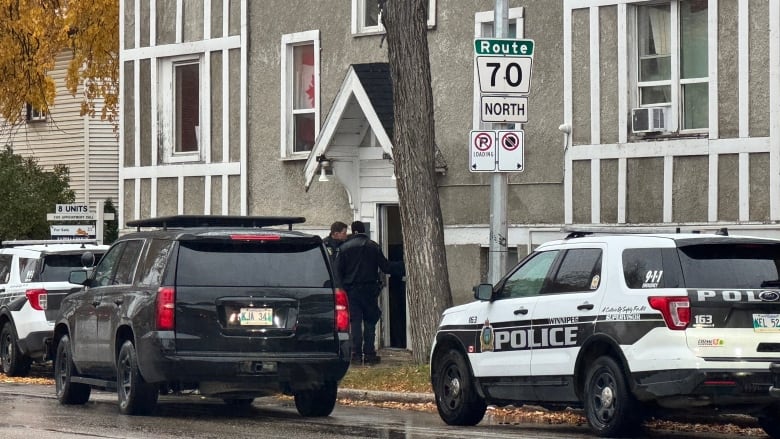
580	270
105	269
730	266
127	263
5	268
27	269
57	267
236	263
154	262
527	280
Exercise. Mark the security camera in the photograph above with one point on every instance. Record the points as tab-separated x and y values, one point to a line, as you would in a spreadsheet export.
564	128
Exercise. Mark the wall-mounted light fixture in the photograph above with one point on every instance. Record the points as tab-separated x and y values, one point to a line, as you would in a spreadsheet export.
324	165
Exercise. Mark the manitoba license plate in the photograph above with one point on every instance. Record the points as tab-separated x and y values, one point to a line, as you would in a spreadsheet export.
766	322
256	317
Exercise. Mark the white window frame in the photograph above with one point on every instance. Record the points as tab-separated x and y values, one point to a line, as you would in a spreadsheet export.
515	17
34	114
289	41
359	27
675	114
167	108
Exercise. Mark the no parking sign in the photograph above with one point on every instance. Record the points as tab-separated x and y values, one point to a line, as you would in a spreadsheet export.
510	151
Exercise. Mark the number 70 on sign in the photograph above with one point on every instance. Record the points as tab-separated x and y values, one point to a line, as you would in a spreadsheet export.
504	74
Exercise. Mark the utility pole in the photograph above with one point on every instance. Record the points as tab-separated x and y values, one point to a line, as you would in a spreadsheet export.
498	184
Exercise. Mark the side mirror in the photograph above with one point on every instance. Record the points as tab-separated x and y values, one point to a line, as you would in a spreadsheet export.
78	276
87	260
483	292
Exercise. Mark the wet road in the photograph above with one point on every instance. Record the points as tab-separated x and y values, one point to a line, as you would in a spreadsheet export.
29	411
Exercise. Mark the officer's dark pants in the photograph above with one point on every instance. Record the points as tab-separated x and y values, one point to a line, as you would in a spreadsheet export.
364	314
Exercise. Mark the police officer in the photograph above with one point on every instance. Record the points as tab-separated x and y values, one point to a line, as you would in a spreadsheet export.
358	262
338	233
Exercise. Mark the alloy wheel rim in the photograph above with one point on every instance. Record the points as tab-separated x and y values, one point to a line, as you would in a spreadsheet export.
603	398
126	376
452	387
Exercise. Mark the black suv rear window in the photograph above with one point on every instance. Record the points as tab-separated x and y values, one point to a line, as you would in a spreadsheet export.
731	266
278	264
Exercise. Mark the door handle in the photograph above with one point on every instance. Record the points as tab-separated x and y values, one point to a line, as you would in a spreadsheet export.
522	311
119	301
585	306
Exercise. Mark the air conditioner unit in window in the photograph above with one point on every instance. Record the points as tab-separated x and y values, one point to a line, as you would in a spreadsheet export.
649	120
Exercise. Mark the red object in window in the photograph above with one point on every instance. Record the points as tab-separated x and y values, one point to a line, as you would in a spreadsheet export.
675	309
166	308
38	298
342	311
240	237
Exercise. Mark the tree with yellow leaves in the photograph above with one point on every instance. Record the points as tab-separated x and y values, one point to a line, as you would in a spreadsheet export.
34	32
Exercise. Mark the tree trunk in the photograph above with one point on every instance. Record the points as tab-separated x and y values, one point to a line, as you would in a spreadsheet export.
427	280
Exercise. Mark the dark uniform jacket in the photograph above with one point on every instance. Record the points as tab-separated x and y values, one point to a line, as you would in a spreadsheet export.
359	260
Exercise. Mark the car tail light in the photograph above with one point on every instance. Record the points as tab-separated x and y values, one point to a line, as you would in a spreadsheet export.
675	309
38	299
166	304
262	237
342	311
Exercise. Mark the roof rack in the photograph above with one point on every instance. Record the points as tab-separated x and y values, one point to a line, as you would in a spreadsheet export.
16	243
186	221
581	231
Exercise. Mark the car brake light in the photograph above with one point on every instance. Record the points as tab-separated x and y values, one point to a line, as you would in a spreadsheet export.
244	237
342	311
675	309
166	298
38	299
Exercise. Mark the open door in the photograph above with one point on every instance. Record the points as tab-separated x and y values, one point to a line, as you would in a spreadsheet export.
394	306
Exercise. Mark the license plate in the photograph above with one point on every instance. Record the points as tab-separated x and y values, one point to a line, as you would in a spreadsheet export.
256	317
766	322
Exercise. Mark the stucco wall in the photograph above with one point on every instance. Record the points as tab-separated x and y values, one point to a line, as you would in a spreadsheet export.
728	69
728	187
689	189
463	266
759	73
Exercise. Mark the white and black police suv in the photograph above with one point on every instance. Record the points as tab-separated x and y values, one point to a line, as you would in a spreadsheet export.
623	325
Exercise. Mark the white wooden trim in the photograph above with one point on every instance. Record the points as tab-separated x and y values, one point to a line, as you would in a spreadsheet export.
581	4
622	43
121	161
179	21
185	170
744	186
668	188
595	191
743	33
136	113
712	189
225	18
225	105
675	62
622	185
206	19
180	195
205	109
207	195
152	23
188	48
712	61
595	80
244	64
567	113
774	110
137	198
681	147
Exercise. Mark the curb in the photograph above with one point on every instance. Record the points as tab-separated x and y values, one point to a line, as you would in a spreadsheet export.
381	396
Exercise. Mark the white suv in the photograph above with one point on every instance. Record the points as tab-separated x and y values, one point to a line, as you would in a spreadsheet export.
33	282
624	326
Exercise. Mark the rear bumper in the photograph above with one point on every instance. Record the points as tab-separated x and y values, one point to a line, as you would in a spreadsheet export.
36	345
702	388
160	363
774	370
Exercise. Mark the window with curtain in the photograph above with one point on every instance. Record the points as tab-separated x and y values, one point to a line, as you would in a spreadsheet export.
303	97
657	75
300	93
187	109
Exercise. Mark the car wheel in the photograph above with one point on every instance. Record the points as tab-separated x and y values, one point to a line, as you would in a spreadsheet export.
457	399
769	420
610	407
136	396
317	402
239	402
15	364
68	392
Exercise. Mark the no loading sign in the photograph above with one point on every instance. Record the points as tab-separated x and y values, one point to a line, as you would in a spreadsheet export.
510	153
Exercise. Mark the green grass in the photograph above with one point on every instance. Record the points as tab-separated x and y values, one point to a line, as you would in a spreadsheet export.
389	378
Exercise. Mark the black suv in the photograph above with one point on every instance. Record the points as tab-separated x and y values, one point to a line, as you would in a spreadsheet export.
224	305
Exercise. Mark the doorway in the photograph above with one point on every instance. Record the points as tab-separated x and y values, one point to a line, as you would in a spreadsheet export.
394	306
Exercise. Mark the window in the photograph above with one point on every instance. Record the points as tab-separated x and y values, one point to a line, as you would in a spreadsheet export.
35	114
300	93
366	18
27	269
527	280
580	270
5	268
645	268
181	108
673	72
154	263
126	265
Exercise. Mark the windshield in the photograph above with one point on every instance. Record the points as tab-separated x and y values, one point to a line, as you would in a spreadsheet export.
57	268
735	266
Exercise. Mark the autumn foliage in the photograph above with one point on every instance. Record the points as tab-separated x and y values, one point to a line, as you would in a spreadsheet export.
34	32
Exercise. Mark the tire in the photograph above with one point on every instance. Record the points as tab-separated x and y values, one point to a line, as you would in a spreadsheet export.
769	420
610	407
317	402
457	399
68	392
136	396
15	364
